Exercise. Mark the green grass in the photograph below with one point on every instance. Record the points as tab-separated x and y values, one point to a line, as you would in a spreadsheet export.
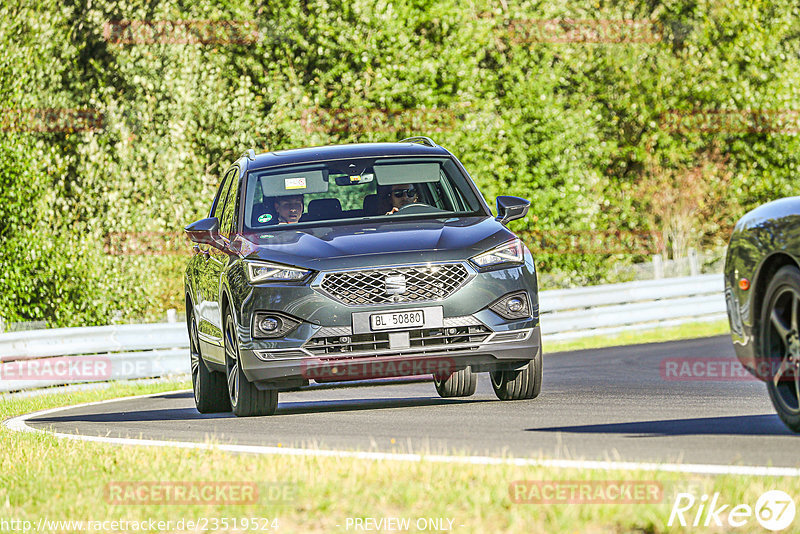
685	331
42	476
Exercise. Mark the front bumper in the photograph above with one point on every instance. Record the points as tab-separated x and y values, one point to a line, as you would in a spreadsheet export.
738	308
292	368
326	346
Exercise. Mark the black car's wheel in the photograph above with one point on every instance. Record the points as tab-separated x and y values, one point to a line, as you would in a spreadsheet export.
459	384
210	391
519	384
245	398
780	344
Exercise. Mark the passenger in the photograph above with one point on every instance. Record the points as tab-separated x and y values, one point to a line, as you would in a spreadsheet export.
289	208
402	195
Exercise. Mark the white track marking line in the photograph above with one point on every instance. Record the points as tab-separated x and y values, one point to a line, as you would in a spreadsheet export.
19	424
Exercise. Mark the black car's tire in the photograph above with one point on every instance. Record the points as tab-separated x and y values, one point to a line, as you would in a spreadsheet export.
519	384
780	344
210	388
245	398
459	384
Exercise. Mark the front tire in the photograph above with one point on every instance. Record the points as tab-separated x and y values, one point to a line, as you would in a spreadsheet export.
519	384
245	398
780	344
210	391
459	384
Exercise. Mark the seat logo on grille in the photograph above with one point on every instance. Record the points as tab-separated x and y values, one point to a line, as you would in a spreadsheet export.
395	284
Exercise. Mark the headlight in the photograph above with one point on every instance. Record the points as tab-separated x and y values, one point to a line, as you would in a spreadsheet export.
272	272
510	252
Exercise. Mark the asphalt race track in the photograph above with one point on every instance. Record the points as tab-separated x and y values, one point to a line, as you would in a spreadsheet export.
604	404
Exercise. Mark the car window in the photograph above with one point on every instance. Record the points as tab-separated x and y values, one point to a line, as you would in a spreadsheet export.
219	200
226	223
220	203
347	190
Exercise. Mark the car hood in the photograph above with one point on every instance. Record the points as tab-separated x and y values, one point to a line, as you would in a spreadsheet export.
364	244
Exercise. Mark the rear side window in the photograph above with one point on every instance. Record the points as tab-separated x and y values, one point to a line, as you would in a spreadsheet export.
218	210
219	200
227	192
229	209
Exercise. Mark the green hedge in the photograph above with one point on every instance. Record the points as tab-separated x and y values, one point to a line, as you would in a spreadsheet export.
586	130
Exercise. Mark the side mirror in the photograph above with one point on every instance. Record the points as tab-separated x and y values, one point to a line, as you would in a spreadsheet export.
205	231
511	208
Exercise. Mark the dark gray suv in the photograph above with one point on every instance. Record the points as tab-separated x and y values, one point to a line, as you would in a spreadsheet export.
357	262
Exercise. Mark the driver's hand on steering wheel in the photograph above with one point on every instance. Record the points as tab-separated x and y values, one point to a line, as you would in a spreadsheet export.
393	210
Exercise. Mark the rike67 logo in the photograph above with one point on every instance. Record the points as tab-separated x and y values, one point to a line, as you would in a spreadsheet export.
774	510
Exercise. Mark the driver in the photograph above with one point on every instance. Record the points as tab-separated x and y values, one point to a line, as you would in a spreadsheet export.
289	208
402	195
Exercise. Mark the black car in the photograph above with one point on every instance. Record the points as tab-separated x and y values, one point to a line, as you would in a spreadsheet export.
356	262
762	290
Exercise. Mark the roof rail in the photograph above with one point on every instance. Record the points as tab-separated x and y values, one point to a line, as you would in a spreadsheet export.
421	139
250	154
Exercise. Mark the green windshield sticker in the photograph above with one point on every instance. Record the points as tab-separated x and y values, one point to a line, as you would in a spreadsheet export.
266	217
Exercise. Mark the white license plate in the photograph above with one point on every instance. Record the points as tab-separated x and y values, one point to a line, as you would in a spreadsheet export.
403	319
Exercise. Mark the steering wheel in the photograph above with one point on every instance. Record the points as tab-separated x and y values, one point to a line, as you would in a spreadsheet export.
414	205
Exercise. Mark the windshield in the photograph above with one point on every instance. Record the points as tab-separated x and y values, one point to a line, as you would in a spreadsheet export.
345	190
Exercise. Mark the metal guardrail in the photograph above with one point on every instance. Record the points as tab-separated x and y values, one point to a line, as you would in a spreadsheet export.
40	358
613	308
91	340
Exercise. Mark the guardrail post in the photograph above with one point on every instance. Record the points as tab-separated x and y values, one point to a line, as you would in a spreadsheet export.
694	262
172	315
658	267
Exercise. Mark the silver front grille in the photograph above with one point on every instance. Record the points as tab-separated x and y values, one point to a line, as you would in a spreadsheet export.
418	283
